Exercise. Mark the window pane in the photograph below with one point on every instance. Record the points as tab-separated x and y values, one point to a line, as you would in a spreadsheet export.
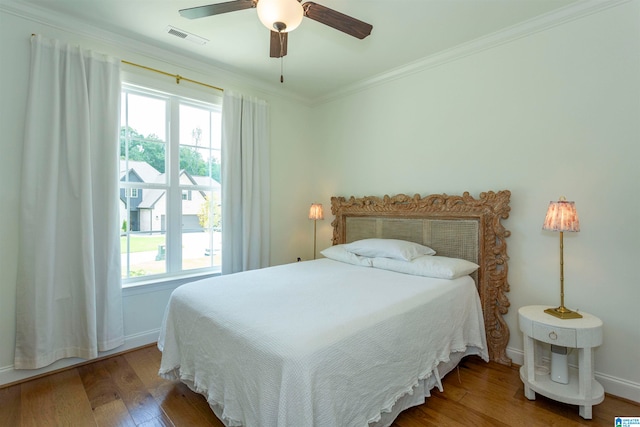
142	234
199	144
142	138
147	115
201	235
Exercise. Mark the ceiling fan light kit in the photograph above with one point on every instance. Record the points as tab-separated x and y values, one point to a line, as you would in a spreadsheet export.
282	16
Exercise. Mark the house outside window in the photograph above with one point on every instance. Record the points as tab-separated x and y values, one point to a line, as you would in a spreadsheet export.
169	185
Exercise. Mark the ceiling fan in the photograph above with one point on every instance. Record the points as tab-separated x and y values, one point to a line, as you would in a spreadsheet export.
283	16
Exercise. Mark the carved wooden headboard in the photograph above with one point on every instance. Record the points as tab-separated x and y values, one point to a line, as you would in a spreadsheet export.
455	226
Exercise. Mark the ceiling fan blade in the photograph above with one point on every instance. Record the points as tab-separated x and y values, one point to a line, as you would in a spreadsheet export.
337	20
217	8
276	48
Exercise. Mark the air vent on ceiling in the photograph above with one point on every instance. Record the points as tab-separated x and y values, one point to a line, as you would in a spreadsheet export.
185	35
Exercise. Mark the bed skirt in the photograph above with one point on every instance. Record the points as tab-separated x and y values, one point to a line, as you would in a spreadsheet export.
423	389
416	397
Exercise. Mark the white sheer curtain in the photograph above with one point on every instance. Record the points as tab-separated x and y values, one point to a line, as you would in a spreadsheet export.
245	183
69	296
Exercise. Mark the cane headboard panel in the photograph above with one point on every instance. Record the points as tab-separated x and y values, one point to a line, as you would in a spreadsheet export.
454	226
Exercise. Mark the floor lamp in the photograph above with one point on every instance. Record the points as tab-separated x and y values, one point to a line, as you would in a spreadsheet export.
315	213
562	216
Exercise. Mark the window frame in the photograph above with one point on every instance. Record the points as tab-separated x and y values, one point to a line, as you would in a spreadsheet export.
174	97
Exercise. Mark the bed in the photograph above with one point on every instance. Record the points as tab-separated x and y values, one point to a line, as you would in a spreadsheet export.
347	340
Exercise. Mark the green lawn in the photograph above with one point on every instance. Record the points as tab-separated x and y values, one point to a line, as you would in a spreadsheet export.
141	243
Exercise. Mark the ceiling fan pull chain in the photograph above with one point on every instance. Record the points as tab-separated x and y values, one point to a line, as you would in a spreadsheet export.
281	57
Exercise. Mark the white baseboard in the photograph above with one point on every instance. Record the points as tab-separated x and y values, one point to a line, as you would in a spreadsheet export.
612	385
517	356
8	375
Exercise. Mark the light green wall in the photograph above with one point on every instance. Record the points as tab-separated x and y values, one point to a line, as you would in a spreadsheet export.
553	113
549	114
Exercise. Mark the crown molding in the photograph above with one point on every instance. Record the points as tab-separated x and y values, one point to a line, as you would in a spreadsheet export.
128	44
569	13
234	79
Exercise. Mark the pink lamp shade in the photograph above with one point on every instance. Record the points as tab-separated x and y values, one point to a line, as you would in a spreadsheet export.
561	216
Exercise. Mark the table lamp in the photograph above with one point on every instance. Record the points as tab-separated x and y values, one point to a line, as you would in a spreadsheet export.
562	216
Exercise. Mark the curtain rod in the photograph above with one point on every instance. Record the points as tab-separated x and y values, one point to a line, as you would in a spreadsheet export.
178	77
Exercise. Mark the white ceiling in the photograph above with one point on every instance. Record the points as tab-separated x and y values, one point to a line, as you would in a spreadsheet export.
320	60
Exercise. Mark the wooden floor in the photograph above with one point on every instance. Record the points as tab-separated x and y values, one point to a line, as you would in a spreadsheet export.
125	390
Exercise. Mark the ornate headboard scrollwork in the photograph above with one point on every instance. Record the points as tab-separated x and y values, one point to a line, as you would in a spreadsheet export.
456	226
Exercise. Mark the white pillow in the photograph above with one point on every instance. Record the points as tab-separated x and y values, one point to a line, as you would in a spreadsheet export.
430	266
339	253
388	248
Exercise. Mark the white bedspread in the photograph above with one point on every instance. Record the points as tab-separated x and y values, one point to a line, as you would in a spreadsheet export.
335	349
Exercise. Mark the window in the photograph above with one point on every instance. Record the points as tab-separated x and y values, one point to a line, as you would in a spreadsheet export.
169	185
131	192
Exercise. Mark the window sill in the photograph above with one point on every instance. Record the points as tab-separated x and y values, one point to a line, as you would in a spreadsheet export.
162	283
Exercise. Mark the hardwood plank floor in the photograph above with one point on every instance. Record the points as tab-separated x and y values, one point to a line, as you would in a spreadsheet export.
125	390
